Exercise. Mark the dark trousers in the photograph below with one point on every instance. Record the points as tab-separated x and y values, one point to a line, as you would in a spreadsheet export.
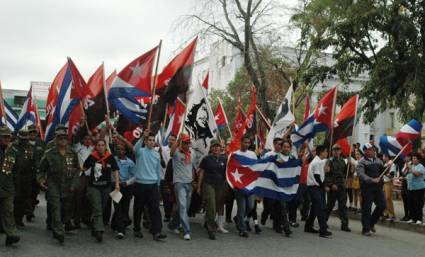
318	209
372	194
23	200
167	198
229	200
339	195
267	209
121	218
147	194
416	204
82	211
304	198
280	216
405	197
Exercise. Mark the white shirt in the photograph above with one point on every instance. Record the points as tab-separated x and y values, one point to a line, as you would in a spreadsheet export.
82	153
316	167
166	157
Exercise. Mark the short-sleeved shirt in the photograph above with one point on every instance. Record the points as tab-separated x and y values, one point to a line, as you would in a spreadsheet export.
182	172
214	169
416	182
105	177
316	167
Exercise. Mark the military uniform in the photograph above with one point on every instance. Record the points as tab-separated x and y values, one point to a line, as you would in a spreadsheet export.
337	176
60	172
7	189
25	173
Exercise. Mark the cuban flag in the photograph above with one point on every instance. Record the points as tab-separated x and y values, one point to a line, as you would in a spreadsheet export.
264	177
220	116
131	83
319	120
410	131
10	118
392	146
64	104
28	114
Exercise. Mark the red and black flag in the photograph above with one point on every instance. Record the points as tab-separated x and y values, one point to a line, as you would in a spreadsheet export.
344	121
173	81
94	100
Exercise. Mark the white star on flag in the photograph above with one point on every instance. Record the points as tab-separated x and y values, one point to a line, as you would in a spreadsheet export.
336	124
137	70
322	109
217	117
237	176
180	119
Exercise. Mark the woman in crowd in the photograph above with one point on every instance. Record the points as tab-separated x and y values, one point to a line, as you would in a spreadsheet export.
416	188
356	184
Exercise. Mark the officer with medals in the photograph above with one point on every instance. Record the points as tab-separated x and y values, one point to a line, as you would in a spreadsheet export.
59	176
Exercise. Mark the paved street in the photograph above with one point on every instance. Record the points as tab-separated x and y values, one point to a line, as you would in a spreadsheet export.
36	241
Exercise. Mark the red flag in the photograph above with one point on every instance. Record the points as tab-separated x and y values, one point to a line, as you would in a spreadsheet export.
94	99
220	116
179	112
344	121
78	83
205	82
74	123
240	118
236	140
307	108
345	146
53	93
110	79
324	110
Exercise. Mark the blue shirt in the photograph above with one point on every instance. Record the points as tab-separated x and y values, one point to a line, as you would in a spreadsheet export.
414	182
126	167
148	165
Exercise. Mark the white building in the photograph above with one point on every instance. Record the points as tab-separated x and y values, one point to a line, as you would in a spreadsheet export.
224	61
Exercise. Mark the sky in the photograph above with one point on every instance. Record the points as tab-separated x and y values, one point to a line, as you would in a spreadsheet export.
36	36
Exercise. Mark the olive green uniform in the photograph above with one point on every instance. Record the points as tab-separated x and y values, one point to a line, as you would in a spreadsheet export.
337	176
7	190
39	148
25	174
61	174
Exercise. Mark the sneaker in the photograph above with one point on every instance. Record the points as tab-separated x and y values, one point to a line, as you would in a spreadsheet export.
325	234
120	235
311	230
288	232
410	221
366	233
294	224
243	234
10	240
176	231
418	222
187	237
345	228
404	219
159	237
222	230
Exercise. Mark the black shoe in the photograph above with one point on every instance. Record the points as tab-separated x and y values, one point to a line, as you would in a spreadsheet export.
405	218
229	220
10	240
30	218
263	219
288	232
138	234
311	230
69	226
235	219
280	231
99	236
60	238
243	234
345	228
159	237
257	229
325	234
294	224
20	223
248	228
211	235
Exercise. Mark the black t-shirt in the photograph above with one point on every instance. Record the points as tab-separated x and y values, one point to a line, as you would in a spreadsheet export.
214	169
104	178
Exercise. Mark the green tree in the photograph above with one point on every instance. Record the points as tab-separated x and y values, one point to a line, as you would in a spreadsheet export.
384	39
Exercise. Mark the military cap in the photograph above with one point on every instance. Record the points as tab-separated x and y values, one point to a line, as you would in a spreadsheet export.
32	128
215	142
5	131
336	147
61	130
23	134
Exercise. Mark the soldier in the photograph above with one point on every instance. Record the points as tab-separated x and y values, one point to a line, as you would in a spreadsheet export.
7	187
25	172
335	180
39	145
58	175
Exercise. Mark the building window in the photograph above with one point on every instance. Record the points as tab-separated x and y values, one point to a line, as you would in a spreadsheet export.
19	100
223	61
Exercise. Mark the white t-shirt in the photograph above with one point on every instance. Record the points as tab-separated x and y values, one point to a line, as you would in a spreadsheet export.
317	166
166	157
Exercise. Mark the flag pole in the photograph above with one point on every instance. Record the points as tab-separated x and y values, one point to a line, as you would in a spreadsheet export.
107	103
85	118
153	85
225	116
395	158
332	119
2	106
262	116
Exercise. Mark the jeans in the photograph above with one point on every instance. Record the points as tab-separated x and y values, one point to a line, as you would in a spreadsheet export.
372	194
183	194
245	205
